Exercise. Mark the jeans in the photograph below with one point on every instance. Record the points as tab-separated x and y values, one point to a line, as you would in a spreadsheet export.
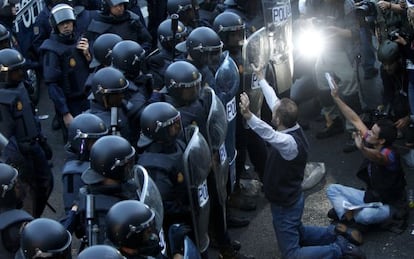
337	194
298	241
367	49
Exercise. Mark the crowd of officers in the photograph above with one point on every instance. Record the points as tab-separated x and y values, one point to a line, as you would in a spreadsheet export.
126	93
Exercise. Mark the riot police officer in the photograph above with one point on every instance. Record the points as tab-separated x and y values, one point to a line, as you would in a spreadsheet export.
131	229
102	50
100	251
66	66
231	29
11	217
183	82
107	182
159	60
84	130
128	56
45	238
4	37
188	12
27	149
115	18
109	87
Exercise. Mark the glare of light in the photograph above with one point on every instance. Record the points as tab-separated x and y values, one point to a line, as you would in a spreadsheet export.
310	43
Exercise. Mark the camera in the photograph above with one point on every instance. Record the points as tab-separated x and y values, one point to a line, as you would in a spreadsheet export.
393	35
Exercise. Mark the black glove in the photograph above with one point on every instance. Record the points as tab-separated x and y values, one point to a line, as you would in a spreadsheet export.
176	235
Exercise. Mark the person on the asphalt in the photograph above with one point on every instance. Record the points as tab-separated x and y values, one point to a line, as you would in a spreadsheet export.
283	175
384	199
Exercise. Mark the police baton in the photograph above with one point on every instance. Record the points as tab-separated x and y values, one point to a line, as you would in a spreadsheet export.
90	215
114	120
3	142
174	28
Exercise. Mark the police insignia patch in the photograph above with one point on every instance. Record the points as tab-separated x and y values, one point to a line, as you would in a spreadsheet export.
180	177
72	62
36	30
19	106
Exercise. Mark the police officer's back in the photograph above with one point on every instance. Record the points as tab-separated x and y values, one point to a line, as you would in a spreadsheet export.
27	148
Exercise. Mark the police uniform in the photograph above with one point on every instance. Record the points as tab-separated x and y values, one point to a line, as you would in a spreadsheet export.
26	148
65	70
128	27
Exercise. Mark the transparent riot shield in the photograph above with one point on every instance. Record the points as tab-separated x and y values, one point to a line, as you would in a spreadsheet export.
216	135
197	166
149	194
227	85
270	47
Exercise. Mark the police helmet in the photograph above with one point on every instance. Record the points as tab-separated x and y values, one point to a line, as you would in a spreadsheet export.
4	34
6	8
204	46
107	82
127	56
11	60
131	224
102	49
183	81
156	120
45	238
8	179
231	29
83	130
61	13
388	52
166	35
230	3
106	4
100	251
111	157
178	6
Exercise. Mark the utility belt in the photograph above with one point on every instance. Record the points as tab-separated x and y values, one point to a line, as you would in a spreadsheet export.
30	141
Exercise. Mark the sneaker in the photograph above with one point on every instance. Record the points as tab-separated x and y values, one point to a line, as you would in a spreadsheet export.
241	202
336	128
237	222
349	250
351	234
332	215
230	253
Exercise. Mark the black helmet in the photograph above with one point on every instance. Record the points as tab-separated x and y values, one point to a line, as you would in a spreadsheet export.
6	8
11	60
131	224
388	52
127	56
231	29
106	4
61	13
100	251
4	37
107	82
204	46
178	6
165	34
102	49
156	121
8	181
183	81
111	157
45	238
83	131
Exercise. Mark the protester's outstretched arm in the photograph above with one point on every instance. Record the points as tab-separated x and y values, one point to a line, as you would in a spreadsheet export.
269	93
348	112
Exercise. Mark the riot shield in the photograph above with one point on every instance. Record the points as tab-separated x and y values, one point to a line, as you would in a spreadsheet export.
190	250
216	135
227	85
149	194
197	166
270	47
